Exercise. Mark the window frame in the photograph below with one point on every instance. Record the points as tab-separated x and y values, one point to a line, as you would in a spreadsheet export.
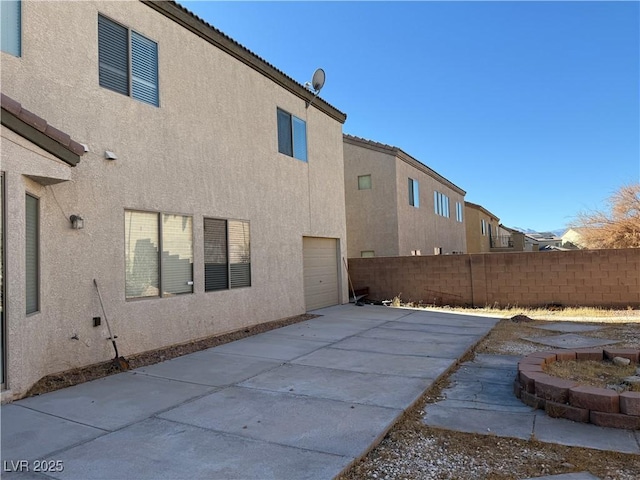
37	254
161	261
459	212
360	184
9	21
229	280
414	192
483	227
291	148
133	62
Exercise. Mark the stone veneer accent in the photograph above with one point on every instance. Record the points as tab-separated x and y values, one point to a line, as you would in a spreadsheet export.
567	399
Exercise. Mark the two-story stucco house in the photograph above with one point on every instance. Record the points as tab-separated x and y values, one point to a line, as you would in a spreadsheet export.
398	206
482	228
208	195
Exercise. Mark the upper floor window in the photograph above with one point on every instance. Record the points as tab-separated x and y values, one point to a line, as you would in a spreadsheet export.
459	217
364	182
11	27
483	226
292	136
441	204
414	193
128	62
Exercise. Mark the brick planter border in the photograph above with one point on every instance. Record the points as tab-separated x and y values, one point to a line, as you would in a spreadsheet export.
568	399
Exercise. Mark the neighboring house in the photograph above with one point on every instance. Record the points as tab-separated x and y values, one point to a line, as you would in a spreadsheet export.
398	206
544	241
482	228
209	196
572	238
508	240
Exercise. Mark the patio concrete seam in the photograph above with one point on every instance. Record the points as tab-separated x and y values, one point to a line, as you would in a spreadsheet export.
255	439
63	418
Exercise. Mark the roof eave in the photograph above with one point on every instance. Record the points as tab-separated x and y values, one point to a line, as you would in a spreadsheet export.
194	24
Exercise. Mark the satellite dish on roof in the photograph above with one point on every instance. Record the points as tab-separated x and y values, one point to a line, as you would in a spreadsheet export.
316	84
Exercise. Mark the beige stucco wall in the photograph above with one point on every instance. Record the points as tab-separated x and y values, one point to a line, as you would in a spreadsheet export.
382	220
372	215
421	228
209	150
476	241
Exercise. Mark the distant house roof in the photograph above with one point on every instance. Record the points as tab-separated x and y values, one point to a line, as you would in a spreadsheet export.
36	129
209	33
481	208
405	157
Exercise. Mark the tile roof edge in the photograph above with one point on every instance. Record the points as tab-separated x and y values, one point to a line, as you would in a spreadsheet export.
405	157
176	12
35	121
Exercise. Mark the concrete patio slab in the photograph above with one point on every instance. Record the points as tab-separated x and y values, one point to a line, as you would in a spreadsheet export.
470	372
568	327
371	362
437	328
570	340
367	388
31	435
431	317
498	397
366	312
209	368
486	422
509	362
159	449
417	336
113	402
399	347
566	432
272	345
326	330
329	426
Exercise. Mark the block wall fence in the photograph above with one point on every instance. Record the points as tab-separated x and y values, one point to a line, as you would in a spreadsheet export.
606	278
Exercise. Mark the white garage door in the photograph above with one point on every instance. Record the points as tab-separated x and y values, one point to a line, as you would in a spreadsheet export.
320	272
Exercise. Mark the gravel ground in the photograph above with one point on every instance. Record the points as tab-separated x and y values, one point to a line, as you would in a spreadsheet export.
412	450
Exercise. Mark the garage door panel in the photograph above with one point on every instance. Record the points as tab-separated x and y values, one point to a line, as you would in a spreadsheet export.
321	286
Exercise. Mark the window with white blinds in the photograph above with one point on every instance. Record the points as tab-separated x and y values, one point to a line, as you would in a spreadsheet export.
32	254
11	27
158	254
128	62
227	254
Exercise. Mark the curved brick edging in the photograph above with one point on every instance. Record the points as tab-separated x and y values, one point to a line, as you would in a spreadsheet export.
568	399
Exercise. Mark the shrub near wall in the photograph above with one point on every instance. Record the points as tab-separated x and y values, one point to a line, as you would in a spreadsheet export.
607	278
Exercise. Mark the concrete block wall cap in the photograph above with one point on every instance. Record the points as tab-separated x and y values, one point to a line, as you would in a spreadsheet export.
553	388
594	398
561	410
630	403
590	354
629	353
615	420
562	355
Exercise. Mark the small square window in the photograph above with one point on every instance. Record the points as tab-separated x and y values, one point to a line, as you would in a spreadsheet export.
364	182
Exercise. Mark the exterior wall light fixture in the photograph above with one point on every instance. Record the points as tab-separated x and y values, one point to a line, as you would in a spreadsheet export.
110	155
77	222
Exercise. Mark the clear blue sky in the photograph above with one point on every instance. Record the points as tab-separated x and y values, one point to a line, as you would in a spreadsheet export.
531	107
